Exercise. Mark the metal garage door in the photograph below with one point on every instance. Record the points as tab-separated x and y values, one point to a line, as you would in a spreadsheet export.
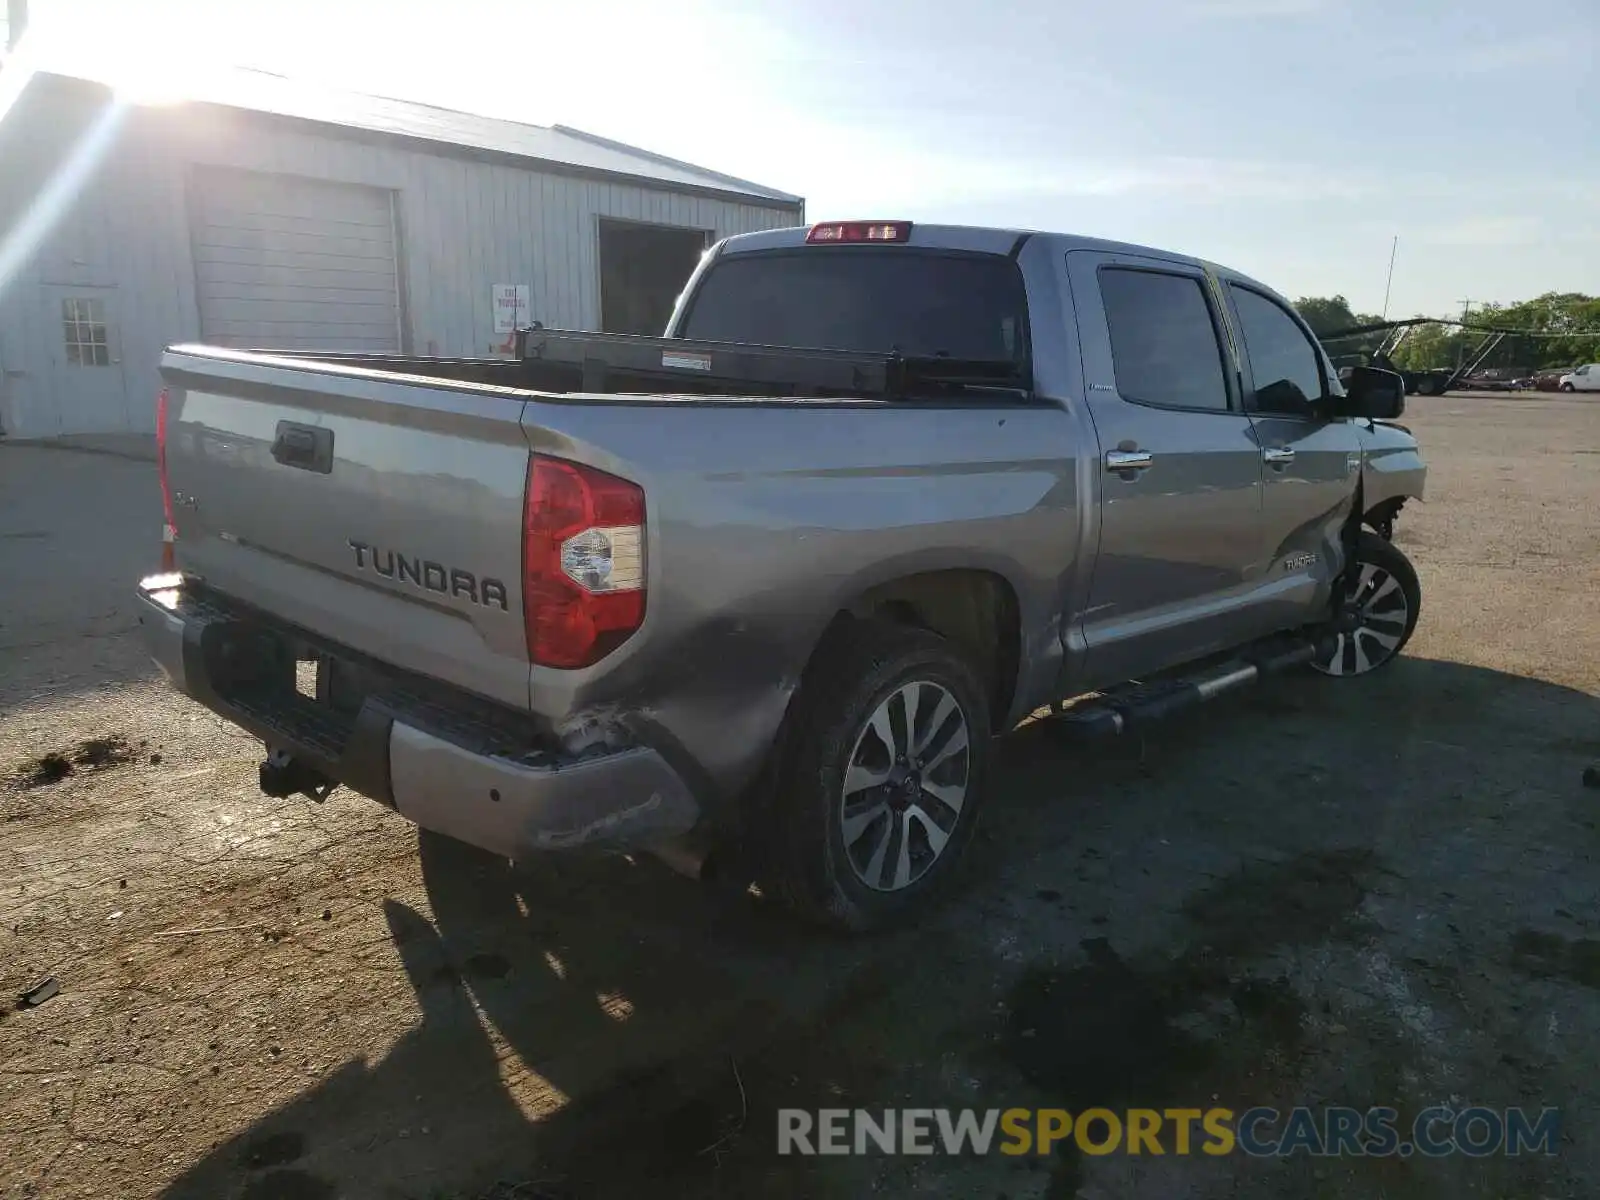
294	264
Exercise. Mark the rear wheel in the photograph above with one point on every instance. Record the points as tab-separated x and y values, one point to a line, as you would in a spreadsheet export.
880	778
1378	612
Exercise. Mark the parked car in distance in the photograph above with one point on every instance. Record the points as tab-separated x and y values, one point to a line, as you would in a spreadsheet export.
775	580
1583	379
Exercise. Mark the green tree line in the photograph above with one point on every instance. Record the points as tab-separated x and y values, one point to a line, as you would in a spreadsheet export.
1428	346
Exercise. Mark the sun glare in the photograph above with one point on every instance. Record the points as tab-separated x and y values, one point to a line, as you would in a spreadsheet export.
146	59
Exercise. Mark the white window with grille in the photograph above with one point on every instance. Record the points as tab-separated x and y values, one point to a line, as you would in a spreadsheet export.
88	339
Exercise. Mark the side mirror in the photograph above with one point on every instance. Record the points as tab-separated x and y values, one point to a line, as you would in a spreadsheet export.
1371	392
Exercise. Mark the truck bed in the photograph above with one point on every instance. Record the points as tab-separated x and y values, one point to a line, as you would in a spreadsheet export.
596	364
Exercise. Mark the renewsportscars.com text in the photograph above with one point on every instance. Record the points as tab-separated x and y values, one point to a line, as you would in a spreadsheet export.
1330	1131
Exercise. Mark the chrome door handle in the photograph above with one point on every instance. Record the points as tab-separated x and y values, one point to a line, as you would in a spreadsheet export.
1128	460
1278	456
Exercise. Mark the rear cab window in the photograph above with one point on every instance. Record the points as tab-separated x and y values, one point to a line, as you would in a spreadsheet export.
1164	346
921	303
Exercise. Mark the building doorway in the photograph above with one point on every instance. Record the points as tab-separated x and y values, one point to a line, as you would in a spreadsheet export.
87	389
642	270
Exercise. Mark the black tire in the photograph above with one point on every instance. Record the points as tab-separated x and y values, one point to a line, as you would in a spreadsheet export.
1567	387
803	851
1427	386
1382	626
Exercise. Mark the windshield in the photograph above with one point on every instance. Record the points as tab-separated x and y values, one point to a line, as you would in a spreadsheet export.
923	304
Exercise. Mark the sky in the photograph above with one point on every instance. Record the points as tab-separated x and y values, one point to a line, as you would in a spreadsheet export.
1290	139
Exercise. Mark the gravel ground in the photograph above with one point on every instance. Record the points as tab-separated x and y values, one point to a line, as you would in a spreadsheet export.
1369	892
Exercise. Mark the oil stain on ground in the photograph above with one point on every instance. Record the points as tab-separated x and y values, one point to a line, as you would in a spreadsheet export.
1551	956
288	1185
1301	901
96	754
1114	1033
274	1149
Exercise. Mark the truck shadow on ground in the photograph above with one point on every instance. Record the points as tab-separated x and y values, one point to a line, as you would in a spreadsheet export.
598	1028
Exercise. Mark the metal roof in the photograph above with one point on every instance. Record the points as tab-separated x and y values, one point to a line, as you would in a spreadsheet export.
558	146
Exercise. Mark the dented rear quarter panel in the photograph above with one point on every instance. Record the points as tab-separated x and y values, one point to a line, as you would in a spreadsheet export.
764	520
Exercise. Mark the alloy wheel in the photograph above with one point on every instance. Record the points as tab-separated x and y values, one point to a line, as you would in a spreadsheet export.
1376	616
905	785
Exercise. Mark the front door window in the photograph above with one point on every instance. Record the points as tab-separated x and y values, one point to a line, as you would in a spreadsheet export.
1283	360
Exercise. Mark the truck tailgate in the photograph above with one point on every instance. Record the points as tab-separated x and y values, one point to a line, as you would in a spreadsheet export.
380	511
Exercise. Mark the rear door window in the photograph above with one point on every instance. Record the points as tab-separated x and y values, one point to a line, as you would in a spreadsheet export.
965	306
1164	347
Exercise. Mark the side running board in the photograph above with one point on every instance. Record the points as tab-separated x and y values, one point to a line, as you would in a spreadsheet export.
1141	704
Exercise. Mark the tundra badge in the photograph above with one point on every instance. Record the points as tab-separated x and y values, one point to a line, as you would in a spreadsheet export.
430	576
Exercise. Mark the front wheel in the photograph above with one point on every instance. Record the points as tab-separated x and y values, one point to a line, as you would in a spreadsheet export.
1378	609
879	785
1567	387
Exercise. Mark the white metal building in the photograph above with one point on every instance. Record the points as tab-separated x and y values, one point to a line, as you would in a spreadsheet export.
265	213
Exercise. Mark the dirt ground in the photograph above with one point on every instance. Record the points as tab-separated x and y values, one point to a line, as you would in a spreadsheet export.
1369	892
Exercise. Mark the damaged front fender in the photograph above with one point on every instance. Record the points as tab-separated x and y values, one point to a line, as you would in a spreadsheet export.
1392	469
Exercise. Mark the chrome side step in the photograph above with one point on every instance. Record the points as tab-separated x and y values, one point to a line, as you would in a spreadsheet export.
1141	704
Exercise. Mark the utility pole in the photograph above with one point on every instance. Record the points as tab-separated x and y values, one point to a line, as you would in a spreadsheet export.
1389	281
1461	343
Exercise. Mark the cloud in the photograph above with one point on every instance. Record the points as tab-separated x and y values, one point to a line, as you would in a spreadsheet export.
1213	179
1241	9
1180	179
842	174
1534	50
1486	231
1573	48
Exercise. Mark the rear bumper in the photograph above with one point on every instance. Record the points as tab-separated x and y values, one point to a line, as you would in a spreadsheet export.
451	764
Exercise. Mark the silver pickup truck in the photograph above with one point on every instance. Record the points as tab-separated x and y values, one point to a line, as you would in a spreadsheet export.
775	580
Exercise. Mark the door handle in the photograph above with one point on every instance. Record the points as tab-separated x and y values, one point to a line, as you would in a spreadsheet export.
306	447
1128	460
1278	456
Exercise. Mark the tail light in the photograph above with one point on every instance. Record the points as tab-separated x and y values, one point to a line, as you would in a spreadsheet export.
831	232
582	562
169	531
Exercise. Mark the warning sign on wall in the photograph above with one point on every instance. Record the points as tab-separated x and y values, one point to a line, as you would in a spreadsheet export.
511	307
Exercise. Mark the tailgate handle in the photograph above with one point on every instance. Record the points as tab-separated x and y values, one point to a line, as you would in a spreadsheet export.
306	447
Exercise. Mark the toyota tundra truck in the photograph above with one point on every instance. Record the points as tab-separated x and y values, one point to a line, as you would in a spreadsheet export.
766	589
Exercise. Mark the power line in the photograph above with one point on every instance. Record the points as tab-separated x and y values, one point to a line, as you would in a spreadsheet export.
1375	327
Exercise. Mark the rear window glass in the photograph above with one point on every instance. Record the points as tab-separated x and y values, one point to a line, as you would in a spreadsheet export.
1164	347
870	300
